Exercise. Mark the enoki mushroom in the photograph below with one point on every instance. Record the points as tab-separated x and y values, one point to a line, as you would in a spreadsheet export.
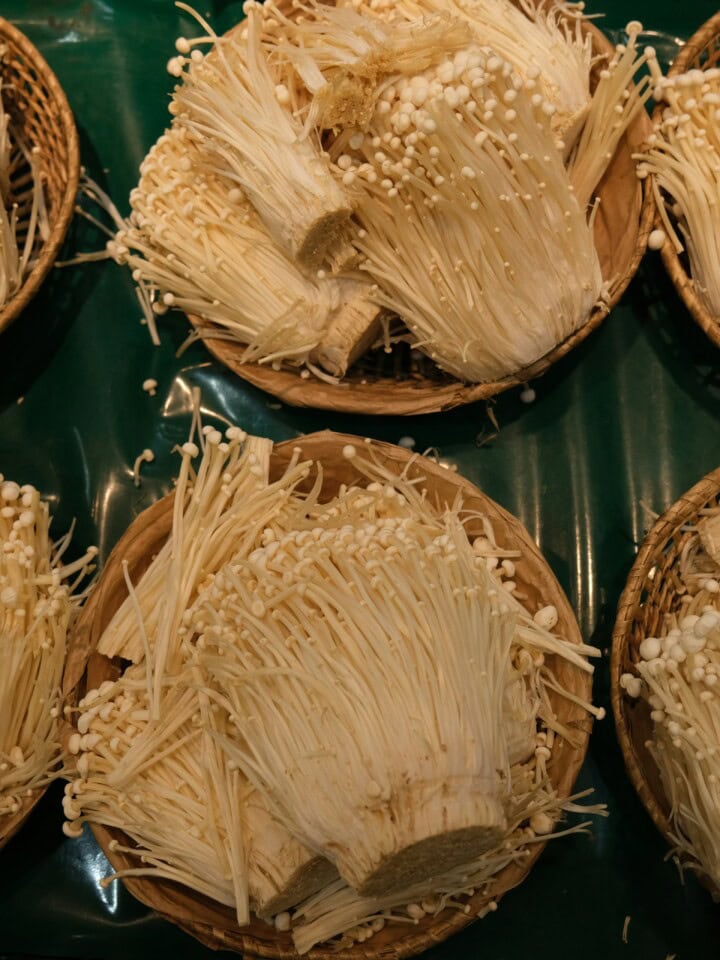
327	696
37	606
683	158
678	674
437	162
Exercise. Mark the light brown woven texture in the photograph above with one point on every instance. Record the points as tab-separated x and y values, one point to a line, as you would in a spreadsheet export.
702	50
622	225
214	924
40	114
651	593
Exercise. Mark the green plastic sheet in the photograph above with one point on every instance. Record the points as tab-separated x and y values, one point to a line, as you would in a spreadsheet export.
623	425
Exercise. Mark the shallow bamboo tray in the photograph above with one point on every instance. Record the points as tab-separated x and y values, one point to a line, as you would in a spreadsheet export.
213	924
647	597
622	226
702	50
40	113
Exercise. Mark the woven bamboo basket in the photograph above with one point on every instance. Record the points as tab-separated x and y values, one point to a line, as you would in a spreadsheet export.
215	925
649	595
701	51
40	115
399	384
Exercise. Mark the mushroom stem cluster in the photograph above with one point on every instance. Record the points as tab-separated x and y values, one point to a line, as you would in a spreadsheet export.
350	687
229	101
37	607
678	673
544	41
196	242
616	102
429	160
339	912
460	163
683	158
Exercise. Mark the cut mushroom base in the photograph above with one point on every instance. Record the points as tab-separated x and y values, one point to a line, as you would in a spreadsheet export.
438	826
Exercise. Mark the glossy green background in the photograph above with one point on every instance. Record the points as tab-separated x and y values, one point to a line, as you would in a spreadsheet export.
630	418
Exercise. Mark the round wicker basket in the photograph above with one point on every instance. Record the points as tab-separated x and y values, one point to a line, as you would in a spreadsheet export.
701	51
377	384
649	595
214	924
39	113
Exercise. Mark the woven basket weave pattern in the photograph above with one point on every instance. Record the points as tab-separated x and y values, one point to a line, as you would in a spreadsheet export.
701	51
652	592
214	924
622	226
40	115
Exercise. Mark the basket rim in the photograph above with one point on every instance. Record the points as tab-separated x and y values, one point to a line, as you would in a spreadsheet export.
681	279
684	509
50	249
411	942
421	396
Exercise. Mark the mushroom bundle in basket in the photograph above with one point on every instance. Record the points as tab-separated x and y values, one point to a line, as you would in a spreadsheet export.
666	677
451	184
682	161
38	605
39	170
334	694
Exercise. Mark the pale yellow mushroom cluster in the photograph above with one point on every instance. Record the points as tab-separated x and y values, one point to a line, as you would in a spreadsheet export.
37	607
339	711
331	168
678	674
683	157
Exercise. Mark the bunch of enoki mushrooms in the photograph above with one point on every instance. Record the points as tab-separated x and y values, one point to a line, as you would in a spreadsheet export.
342	176
677	674
338	712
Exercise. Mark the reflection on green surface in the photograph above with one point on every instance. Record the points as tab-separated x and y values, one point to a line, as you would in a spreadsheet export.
629	419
